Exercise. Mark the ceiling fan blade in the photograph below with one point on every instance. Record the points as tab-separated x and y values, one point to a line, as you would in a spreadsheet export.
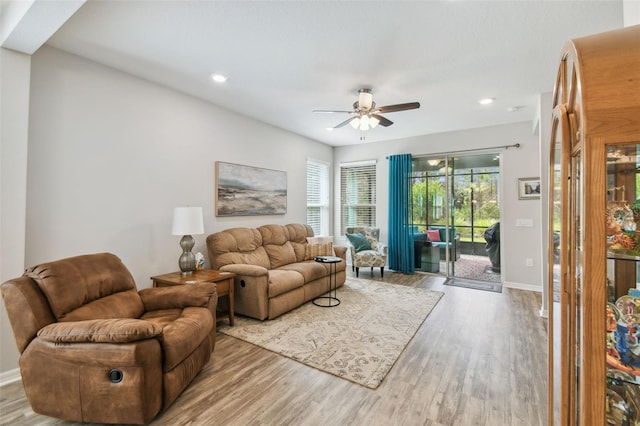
345	122
398	107
329	111
383	121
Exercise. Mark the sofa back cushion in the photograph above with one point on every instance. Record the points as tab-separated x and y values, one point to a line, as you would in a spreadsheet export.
88	287
299	234
275	240
237	245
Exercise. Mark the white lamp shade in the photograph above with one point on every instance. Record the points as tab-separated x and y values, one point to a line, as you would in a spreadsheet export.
187	221
365	100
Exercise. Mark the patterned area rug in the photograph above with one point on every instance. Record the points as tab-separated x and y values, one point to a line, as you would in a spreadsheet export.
358	340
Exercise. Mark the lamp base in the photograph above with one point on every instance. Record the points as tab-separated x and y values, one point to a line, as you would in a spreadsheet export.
187	260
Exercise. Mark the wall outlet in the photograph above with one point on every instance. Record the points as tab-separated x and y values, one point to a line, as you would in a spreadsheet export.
529	262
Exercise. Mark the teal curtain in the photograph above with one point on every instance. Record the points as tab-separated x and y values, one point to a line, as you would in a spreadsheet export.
401	251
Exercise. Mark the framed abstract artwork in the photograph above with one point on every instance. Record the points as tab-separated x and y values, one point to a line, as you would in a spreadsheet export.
249	191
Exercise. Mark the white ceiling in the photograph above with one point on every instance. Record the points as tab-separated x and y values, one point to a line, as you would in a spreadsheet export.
287	58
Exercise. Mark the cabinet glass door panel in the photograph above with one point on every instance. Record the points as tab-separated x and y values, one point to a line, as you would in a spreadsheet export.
557	298
576	287
623	306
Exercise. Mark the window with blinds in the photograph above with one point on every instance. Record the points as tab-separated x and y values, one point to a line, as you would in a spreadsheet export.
357	194
318	196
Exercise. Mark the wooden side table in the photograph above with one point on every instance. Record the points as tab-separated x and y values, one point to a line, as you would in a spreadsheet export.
223	280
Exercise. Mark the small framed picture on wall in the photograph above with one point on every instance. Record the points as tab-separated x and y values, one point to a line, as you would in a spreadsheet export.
529	188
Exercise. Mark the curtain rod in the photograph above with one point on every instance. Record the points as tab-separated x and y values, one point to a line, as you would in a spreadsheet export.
516	145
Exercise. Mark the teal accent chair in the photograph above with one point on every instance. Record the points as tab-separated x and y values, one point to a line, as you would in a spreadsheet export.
376	257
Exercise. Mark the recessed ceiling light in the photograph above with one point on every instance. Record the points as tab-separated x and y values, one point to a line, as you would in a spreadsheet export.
486	101
330	129
515	108
219	78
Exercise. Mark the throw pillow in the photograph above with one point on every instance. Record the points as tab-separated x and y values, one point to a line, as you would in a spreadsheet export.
313	250
319	240
433	235
359	242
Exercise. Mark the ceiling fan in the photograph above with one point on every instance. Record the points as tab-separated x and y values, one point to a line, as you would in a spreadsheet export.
366	115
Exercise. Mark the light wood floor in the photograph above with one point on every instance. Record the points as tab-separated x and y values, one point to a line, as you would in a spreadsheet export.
480	358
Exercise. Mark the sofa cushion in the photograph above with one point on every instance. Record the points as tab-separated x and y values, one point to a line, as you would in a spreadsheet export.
310	270
298	234
126	304
275	240
183	330
100	331
282	281
280	255
237	245
75	282
359	242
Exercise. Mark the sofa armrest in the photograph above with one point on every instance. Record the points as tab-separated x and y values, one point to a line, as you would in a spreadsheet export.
182	296
251	289
245	269
100	331
340	251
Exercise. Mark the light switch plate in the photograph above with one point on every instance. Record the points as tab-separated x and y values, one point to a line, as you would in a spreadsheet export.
524	223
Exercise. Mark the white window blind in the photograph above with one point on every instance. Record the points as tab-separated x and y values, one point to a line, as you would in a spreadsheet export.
318	196
357	194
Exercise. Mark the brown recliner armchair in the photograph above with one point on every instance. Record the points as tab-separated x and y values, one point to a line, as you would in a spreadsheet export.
94	349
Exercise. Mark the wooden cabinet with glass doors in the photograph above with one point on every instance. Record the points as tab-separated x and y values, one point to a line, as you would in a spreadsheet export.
594	250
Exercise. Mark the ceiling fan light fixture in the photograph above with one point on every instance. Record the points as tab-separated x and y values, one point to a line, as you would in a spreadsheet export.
366	114
365	99
364	122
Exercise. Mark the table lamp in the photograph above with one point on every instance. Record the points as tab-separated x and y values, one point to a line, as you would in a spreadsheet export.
187	221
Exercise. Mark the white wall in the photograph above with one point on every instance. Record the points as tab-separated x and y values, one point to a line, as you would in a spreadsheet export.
14	124
631	12
517	243
111	155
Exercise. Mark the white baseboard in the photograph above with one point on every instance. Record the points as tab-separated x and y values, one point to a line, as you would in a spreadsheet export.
10	376
520	286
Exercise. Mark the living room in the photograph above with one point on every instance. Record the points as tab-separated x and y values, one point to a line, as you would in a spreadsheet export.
95	159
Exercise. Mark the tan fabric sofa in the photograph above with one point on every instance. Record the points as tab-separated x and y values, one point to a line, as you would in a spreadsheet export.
274	267
95	349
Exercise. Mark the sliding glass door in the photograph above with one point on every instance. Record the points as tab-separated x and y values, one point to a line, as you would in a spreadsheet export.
456	215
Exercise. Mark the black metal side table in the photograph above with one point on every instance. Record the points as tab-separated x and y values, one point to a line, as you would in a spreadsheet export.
329	301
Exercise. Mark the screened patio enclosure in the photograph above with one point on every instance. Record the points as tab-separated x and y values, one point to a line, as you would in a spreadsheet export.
456	215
